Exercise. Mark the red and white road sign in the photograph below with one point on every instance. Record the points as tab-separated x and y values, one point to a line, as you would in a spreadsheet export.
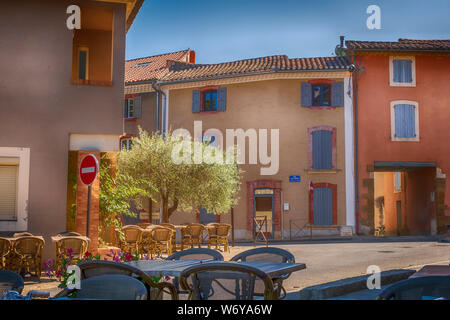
88	169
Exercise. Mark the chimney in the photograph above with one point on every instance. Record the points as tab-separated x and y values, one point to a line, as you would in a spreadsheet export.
342	41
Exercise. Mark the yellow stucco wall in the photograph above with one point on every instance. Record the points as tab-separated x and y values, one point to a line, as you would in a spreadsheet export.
271	104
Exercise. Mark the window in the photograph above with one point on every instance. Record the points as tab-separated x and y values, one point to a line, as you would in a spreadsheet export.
210	100
126	144
132	108
404	120
8	190
142	64
321	95
83	63
322	142
402	71
211	139
397	181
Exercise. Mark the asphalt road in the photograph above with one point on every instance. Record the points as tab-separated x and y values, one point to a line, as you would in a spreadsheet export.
330	261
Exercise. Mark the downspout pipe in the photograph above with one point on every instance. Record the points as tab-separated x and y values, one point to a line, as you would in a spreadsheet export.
355	102
158	91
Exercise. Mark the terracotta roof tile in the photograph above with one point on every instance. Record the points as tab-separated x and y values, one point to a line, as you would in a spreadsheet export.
153	67
400	45
279	63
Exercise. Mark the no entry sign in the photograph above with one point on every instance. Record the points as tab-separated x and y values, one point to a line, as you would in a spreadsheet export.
88	169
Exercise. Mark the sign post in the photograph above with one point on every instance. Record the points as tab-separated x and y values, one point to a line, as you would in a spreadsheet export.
88	173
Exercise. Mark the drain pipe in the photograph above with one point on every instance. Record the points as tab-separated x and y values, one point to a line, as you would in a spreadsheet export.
355	102
158	91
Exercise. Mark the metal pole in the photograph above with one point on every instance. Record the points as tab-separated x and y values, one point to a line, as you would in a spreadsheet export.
88	210
232	226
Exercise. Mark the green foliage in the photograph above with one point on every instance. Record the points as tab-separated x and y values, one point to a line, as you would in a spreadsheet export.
186	185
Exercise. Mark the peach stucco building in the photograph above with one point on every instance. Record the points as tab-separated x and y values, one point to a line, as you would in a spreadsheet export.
308	101
402	128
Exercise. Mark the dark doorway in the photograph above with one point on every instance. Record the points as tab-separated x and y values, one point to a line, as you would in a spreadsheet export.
263	213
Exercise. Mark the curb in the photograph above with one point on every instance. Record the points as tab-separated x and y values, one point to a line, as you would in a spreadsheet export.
346	286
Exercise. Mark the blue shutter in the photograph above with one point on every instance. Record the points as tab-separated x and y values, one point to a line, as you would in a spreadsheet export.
402	70
221	99
196	101
337	92
137	106
323	206
322	149
405	126
306	94
125	109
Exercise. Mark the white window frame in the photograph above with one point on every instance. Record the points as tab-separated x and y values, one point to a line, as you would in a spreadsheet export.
21	224
393	83
128	109
128	143
416	120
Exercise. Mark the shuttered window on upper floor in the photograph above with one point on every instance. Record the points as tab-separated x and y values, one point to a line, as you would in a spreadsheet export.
205	100
322	149
322	95
133	108
402	70
405	124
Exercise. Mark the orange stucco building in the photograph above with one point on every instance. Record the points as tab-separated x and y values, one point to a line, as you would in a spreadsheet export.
402	128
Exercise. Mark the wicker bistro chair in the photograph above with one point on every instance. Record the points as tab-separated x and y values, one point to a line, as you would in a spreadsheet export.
95	268
79	248
5	249
162	240
224	281
420	288
194	254
109	287
174	234
144	225
10	281
28	252
132	241
69	234
218	235
22	234
191	234
267	254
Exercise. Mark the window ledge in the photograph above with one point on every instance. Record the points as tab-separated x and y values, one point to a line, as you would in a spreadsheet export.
130	119
314	171
323	107
101	83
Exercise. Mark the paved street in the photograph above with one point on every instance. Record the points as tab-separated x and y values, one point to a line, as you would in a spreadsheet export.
330	261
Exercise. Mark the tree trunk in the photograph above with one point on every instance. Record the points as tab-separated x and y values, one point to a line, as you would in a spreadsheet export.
173	208
165	210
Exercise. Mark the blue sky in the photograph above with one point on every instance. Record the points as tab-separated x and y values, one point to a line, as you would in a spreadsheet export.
227	30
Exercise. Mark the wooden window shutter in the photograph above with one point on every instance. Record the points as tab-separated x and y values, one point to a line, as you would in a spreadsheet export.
322	149
405	126
222	99
337	92
137	106
125	109
402	70
196	101
306	94
323	206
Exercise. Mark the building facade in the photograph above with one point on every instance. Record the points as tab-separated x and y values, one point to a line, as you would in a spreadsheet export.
63	92
303	107
401	103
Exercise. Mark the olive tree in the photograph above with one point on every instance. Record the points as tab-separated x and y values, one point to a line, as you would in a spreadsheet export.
186	184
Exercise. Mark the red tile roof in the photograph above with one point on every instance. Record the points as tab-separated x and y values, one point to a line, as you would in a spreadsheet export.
400	45
280	63
153	67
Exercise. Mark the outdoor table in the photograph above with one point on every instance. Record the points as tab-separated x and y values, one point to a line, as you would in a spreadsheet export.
174	268
432	270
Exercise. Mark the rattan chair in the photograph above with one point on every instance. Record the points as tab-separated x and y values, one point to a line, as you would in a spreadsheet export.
22	234
224	281
218	235
69	234
28	252
174	234
95	268
265	254
162	240
144	225
5	249
108	287
10	281
132	241
420	288
191	234
79	247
